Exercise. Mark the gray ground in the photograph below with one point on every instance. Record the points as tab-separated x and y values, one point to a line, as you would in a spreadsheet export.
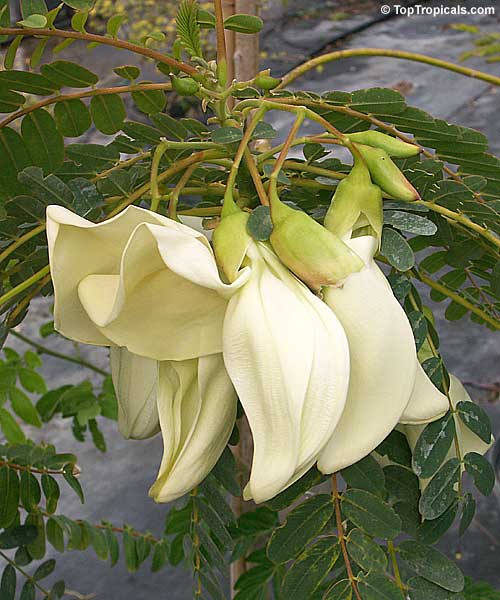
116	483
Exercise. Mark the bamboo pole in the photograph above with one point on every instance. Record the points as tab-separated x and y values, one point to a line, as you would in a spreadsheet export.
243	61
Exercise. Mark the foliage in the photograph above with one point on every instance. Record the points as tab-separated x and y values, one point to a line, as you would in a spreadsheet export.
326	544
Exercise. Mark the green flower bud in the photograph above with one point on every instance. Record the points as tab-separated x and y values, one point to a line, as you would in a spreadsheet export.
231	240
185	86
313	253
357	202
266	82
377	139
386	174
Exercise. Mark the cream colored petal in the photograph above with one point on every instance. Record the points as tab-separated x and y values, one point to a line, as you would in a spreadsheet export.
78	248
197	406
274	333
426	403
383	367
135	380
168	302
329	377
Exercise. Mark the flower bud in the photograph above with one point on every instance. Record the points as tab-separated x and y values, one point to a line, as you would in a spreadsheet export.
231	241
377	139
265	81
313	253
355	197
385	173
185	86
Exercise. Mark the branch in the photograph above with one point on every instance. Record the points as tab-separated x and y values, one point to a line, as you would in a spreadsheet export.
30	469
341	534
119	89
413	56
44	350
100	39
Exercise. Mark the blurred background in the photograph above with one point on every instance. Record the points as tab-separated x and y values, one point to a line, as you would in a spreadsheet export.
116	482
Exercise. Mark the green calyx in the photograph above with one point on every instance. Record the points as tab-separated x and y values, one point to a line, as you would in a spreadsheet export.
266	81
185	86
356	202
377	139
231	240
385	173
314	254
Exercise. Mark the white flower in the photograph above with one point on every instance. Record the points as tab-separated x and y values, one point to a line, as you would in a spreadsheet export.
139	281
287	356
151	287
197	410
383	362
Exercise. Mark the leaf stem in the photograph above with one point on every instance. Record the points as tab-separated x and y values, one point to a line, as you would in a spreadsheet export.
257	181
395	566
273	177
21	240
26	575
174	196
12	293
178	166
44	350
121	89
100	39
341	534
155	164
240	153
29	468
412	56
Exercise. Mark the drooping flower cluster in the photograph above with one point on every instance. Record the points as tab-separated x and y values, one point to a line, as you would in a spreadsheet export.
304	330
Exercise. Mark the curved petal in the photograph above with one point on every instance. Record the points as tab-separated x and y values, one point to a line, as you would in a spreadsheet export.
78	248
426	403
135	380
126	280
274	334
383	365
197	407
168	283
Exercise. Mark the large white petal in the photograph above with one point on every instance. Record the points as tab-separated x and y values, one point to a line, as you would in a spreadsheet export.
197	407
383	366
426	402
135	380
78	248
274	335
169	301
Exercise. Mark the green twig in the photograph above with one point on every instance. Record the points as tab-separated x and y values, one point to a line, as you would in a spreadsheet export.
395	566
44	350
412	56
176	192
12	293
